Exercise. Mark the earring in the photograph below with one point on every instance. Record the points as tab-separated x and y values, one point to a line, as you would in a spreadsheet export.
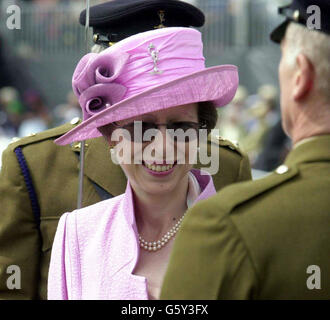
112	151
113	155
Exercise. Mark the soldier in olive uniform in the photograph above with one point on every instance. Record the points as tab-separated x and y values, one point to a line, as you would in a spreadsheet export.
39	180
269	239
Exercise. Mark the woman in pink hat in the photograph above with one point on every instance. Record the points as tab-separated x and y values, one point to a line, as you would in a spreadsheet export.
148	95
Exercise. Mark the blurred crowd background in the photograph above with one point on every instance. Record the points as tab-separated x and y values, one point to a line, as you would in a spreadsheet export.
38	60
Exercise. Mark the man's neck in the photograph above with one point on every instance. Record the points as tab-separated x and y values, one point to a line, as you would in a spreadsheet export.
311	123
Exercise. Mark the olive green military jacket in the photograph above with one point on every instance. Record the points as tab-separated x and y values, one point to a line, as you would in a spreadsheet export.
54	171
264	239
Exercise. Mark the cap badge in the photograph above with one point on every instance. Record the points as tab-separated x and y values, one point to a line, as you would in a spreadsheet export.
161	15
154	56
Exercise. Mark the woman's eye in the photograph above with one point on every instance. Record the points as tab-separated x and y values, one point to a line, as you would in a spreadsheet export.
181	125
148	125
129	126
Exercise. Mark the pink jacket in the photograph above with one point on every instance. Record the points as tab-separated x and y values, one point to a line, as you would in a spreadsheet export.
96	249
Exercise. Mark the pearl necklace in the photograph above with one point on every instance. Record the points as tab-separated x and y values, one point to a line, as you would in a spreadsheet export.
156	245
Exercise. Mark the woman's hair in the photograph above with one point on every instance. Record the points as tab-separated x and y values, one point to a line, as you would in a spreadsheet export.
207	117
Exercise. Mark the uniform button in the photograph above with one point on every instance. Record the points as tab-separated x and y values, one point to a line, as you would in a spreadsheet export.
75	120
78	145
282	169
235	143
216	136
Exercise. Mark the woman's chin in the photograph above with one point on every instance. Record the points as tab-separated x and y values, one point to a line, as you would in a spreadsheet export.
158	189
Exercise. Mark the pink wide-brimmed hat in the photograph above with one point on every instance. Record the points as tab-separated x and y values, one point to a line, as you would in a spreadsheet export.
146	72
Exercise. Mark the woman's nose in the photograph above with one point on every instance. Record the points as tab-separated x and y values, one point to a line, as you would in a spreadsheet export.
163	135
163	141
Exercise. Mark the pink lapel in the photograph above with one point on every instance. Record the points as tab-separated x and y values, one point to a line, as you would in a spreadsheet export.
121	244
206	184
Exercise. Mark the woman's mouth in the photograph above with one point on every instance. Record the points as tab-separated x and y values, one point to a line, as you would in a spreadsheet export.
159	169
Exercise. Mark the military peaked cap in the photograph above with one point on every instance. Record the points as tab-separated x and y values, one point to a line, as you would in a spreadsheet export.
300	11
116	20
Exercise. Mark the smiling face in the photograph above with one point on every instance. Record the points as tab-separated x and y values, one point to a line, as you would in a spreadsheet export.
159	172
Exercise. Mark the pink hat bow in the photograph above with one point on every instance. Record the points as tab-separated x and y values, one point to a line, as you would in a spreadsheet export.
94	82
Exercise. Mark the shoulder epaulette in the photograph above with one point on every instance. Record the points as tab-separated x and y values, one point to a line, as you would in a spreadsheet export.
44	135
233	146
239	193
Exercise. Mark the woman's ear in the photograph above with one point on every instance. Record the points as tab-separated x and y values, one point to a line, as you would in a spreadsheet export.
304	77
112	144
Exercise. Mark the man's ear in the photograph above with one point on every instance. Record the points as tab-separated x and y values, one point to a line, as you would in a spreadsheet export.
304	77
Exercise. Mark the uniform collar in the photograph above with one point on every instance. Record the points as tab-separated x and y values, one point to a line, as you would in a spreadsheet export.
304	141
312	149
